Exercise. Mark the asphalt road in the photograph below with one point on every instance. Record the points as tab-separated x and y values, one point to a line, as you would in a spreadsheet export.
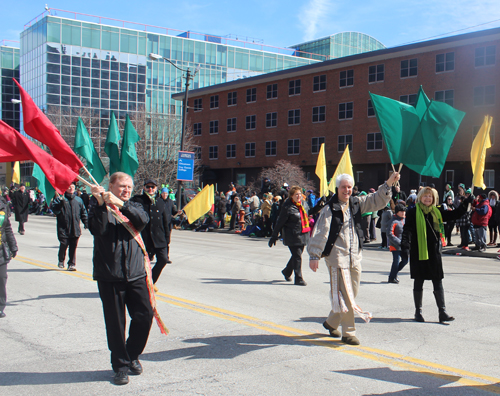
237	328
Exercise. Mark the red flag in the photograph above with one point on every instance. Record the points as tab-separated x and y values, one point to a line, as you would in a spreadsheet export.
16	147
39	127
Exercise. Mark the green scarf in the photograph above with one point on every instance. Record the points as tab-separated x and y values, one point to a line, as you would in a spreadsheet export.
437	221
152	197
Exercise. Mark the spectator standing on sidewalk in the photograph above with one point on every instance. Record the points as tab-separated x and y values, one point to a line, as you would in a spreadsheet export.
492	223
21	202
69	210
8	250
480	216
394	234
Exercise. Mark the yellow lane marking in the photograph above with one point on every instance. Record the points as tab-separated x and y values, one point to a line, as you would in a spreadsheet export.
463	377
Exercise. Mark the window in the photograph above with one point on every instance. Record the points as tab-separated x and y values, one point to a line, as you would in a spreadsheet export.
484	96
409	68
374	141
445	96
213	152
293	146
376	73
197	129
294	87
345	111
319	83
445	62
271	148
271	120
294	117
232	98
316	143
231	151
250	122
198	104
251	95
343	141
409	99
272	91
214	102
214	127
231	124
475	130
449	177
197	153
347	78
371	110
249	149
319	114
489	178
485	56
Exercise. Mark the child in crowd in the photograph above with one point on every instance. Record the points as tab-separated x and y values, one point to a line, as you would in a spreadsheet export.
394	233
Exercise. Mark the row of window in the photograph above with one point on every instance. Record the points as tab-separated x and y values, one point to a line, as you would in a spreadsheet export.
483	96
484	56
373	142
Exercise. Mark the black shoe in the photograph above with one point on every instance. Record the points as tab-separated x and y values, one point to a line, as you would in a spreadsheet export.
350	340
333	332
287	278
396	280
444	317
450	244
135	367
2	314
300	282
169	262
120	378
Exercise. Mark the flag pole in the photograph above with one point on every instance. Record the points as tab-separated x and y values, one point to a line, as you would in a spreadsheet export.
85	181
92	177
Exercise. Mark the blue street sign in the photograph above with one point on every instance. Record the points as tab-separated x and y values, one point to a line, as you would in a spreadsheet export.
185	166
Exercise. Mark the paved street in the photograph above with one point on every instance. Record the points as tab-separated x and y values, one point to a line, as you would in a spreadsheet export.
237	328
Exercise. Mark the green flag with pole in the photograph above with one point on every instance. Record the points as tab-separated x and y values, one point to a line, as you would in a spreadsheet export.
43	184
419	137
84	146
111	148
128	159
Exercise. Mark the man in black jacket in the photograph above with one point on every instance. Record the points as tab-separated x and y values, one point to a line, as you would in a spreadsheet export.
70	210
8	250
120	274
21	202
156	234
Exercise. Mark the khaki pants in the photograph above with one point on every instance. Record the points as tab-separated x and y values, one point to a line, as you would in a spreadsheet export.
346	320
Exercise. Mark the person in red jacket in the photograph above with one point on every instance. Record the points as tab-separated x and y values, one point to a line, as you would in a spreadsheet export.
480	216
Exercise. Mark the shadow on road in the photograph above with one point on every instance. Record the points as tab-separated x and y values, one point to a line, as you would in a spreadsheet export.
424	383
28	270
65	295
67	377
231	281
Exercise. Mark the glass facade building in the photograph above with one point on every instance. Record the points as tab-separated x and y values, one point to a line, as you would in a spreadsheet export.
69	67
9	69
339	45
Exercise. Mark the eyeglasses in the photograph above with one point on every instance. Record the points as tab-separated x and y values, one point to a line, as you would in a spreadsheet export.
149	187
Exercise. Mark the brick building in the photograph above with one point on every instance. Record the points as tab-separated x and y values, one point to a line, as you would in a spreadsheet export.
245	125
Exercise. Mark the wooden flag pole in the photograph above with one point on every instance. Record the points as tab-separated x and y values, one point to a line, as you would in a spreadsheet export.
92	177
85	181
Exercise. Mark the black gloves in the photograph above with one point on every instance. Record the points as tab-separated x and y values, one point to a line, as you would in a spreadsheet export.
469	200
13	254
272	242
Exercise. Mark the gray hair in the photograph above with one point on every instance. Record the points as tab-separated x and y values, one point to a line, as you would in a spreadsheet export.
344	176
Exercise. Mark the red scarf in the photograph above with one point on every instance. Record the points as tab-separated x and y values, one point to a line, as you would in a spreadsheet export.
304	219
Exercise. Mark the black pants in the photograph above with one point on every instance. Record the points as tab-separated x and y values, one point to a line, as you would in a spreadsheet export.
64	243
464	235
3	286
115	296
21	226
418	284
448	229
384	239
295	263
161	260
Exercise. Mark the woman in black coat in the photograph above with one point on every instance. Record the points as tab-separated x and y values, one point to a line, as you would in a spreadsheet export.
8	250
222	209
423	234
294	224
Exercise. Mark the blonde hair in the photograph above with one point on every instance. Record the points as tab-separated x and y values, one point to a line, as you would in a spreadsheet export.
428	190
118	176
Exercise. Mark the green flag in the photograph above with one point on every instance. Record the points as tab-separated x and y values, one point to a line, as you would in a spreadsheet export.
43	184
85	147
111	148
419	137
128	160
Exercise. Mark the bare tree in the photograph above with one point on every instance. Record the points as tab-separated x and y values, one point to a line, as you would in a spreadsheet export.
285	172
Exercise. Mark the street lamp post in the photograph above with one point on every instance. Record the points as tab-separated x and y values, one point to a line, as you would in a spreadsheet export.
184	113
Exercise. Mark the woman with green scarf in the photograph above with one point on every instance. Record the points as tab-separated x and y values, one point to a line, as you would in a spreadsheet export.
423	237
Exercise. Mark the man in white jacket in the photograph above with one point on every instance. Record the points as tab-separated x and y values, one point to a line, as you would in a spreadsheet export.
338	237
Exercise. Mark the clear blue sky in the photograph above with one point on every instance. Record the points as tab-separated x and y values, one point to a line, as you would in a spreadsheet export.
278	22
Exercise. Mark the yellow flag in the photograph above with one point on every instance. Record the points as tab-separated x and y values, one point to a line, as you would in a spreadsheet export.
321	172
200	204
16	176
344	166
478	152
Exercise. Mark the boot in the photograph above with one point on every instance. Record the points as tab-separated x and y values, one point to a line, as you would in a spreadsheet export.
443	316
417	297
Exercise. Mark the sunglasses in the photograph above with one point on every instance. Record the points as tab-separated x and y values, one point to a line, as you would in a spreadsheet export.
149	187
